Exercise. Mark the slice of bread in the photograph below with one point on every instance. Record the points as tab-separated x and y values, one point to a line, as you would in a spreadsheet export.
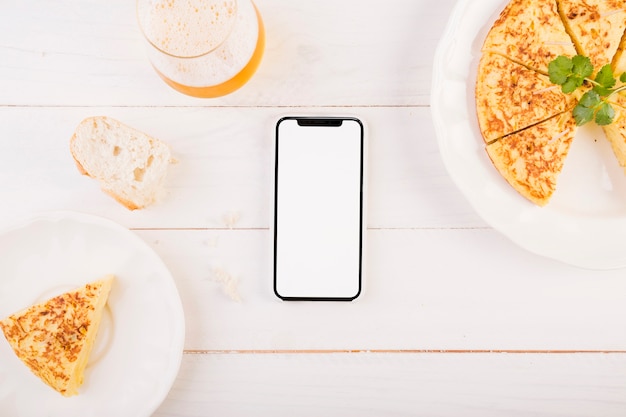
130	165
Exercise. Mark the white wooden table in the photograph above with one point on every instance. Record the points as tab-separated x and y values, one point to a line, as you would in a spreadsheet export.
454	319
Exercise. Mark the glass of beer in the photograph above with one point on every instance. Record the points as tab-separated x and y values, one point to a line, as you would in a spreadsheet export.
202	48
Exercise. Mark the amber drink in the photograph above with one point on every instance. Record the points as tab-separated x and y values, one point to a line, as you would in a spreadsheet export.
202	48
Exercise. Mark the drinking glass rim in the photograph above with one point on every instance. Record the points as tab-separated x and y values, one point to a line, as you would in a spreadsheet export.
143	32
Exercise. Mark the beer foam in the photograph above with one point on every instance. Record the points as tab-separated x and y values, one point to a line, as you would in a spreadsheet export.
186	28
224	62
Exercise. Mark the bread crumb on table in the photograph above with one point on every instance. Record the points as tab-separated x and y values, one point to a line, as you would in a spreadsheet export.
228	282
231	219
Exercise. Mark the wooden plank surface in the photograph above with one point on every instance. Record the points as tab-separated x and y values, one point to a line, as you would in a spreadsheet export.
318	53
414	297
454	318
422	385
225	166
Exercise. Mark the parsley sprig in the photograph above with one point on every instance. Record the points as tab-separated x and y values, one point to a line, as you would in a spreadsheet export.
573	73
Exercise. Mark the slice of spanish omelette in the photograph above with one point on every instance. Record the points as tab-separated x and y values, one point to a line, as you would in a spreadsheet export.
530	33
54	338
616	131
619	59
595	26
532	159
510	97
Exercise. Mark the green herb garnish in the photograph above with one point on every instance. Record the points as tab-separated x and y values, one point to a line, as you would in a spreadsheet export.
573	73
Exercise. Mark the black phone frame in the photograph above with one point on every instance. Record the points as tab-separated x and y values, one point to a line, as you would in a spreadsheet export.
323	121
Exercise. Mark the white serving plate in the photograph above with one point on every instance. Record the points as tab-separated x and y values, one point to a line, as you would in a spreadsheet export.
139	347
584	224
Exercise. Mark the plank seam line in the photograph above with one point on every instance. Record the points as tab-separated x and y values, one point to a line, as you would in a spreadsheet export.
398	351
250	106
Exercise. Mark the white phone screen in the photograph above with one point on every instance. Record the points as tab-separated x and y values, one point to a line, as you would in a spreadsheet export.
318	212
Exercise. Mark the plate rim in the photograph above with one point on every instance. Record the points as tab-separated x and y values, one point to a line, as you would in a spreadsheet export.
596	257
178	336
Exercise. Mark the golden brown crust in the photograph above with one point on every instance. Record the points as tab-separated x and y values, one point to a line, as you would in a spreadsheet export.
530	33
510	97
54	338
79	166
531	160
125	202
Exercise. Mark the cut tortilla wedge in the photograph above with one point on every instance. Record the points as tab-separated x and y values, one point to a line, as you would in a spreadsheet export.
511	97
532	159
530	33
619	59
54	338
595	26
616	131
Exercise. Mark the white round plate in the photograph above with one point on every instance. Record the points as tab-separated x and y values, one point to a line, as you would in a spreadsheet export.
139	346
584	224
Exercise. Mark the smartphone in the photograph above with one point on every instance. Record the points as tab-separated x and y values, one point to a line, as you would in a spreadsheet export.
319	208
